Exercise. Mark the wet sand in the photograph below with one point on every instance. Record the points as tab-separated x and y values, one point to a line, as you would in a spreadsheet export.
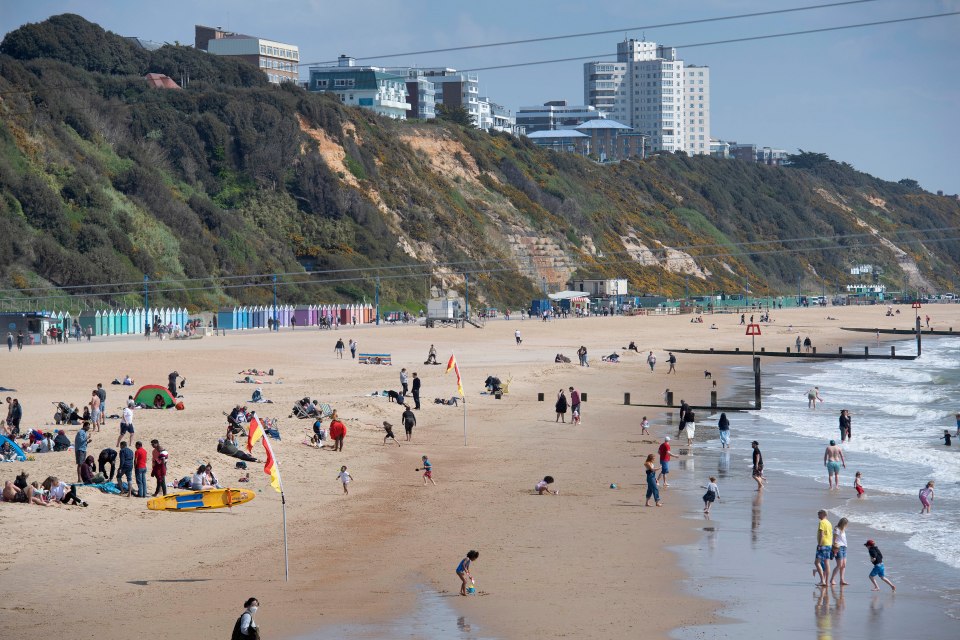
592	562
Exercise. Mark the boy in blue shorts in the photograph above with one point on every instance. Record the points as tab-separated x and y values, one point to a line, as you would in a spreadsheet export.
878	571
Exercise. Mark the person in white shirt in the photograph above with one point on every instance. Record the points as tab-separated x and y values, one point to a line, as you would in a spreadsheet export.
713	493
126	424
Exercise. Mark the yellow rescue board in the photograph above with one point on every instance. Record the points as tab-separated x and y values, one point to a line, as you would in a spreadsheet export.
200	500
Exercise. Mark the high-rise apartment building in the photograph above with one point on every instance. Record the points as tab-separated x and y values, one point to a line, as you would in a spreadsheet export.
455	89
646	88
696	102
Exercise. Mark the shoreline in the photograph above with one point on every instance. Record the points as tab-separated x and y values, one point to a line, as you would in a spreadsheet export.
549	565
778	539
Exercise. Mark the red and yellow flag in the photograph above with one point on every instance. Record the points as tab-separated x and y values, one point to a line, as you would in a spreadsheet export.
254	432
452	364
271	468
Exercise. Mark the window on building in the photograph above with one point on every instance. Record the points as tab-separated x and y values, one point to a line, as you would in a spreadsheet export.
322	84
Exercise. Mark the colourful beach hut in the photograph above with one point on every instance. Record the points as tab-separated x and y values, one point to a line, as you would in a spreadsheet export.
227	319
88	319
124	321
302	316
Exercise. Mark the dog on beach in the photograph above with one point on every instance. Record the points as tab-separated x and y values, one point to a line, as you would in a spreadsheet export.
707	374
394	396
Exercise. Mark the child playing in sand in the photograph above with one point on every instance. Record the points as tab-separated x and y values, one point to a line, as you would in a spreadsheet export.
713	493
858	484
427	469
926	497
543	486
644	426
463	570
345	478
878	571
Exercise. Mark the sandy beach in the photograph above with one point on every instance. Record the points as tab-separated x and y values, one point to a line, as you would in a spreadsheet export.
592	562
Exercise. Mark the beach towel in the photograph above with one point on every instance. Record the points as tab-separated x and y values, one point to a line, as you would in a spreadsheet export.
106	487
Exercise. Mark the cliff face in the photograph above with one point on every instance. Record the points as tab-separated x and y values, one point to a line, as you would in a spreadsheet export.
104	179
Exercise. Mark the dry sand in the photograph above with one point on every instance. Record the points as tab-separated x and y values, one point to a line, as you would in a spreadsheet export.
590	563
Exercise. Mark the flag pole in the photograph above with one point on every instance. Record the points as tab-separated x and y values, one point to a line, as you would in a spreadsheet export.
286	552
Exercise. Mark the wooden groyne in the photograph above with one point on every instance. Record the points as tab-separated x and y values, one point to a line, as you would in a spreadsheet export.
840	354
903	332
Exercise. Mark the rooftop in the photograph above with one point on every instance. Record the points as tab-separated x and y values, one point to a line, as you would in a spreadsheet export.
556	134
602	123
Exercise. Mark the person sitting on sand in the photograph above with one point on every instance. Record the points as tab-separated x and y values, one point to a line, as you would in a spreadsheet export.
632	347
59	493
127	381
198	481
544	486
158	402
61	442
24	496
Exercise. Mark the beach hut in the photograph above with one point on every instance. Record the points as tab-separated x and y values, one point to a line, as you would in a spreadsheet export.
302	316
123	322
247	317
183	317
226	319
251	312
138	325
88	319
111	323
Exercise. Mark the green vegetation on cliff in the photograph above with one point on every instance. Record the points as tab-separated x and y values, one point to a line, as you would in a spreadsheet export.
104	179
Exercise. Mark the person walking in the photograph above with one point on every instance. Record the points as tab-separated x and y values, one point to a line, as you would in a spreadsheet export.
724	426
878	571
691	426
824	545
20	340
832	460
416	391
353	349
664	452
561	407
672	361
574	401
652	361
839	553
9	341
140	469
757	465
172	384
516	336
403	383
159	470
345	478
409	420
246	627
652	490
338	348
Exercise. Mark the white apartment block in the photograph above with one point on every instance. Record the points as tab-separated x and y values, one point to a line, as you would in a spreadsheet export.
646	88
696	101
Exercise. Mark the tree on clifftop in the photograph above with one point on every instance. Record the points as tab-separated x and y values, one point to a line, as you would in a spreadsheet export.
456	115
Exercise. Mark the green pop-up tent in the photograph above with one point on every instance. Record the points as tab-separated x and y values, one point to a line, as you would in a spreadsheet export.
147	393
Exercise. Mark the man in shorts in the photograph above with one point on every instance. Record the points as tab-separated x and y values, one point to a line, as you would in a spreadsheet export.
824	544
102	393
833	460
664	453
95	410
126	425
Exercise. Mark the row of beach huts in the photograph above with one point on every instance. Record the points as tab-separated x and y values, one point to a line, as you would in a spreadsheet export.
114	322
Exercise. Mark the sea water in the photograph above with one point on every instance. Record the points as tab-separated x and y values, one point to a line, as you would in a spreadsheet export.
756	553
899	411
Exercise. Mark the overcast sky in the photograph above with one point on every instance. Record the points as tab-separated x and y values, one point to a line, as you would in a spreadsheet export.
886	99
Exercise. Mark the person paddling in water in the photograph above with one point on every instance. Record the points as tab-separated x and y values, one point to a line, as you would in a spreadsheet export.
832	460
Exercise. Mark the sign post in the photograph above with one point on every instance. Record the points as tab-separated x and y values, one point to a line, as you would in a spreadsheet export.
916	311
753	330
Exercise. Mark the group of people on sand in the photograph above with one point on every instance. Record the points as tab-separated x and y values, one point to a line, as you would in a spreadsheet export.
562	405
